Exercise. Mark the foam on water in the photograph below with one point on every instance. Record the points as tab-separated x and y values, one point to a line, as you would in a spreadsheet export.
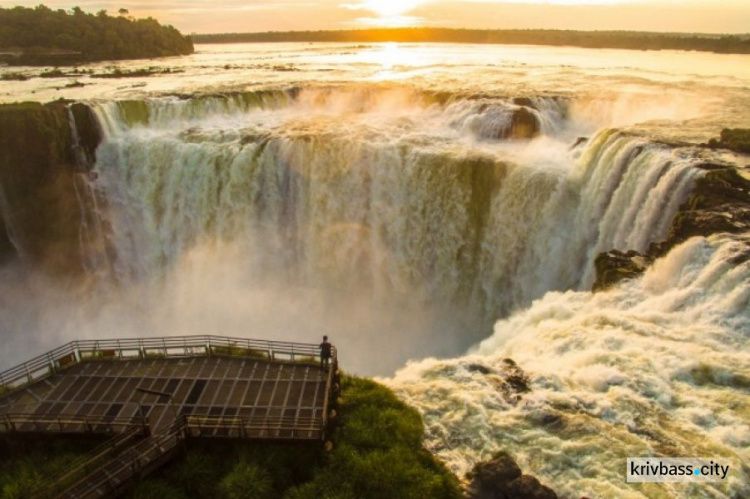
656	366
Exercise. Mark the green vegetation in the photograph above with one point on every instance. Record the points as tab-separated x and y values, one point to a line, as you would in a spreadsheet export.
728	44
377	453
42	36
136	73
236	351
735	139
14	77
24	463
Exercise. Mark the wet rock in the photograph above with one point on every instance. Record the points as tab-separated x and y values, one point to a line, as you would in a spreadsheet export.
502	478
89	133
478	368
516	378
524	101
37	169
615	266
527	486
549	420
719	203
524	125
578	142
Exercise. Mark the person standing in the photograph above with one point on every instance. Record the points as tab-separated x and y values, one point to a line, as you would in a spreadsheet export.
325	352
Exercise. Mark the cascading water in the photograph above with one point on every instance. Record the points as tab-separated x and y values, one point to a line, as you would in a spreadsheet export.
9	230
338	191
649	367
94	254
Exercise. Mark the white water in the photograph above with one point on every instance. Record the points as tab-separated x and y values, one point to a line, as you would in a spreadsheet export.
656	366
366	195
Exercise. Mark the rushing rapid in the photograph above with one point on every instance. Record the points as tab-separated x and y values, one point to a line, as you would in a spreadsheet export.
415	204
656	366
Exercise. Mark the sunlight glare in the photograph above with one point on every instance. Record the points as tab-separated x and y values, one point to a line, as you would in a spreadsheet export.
390	8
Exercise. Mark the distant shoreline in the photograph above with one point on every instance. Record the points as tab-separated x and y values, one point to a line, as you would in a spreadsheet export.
629	40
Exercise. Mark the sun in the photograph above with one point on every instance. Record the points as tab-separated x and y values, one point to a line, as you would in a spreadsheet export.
390	8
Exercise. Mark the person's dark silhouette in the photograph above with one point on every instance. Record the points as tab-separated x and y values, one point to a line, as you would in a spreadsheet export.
325	351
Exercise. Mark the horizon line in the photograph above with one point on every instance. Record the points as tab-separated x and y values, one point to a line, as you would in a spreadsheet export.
436	28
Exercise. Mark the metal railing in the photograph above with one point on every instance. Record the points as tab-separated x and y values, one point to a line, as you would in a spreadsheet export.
30	423
133	462
259	427
76	352
142	456
51	485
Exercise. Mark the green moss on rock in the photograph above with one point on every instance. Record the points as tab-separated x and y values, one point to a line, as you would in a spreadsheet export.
36	176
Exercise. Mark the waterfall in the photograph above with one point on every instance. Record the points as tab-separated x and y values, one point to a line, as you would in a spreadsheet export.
91	233
330	188
9	225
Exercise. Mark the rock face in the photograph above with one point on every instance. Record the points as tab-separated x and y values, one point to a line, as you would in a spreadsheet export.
501	123
615	266
719	203
524	124
38	204
501	478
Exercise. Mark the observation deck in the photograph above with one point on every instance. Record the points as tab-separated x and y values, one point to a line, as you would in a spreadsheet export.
154	393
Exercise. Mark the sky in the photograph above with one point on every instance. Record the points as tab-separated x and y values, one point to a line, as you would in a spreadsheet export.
206	16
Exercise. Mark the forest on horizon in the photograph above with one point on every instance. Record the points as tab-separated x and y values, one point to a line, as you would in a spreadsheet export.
634	40
41	35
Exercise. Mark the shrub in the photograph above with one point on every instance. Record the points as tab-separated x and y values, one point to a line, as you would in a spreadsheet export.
247	481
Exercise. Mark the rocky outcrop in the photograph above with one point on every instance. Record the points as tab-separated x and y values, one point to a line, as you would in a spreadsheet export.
40	209
502	478
615	266
524	124
734	139
719	203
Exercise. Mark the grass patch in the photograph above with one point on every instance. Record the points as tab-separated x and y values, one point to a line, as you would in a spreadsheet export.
14	77
25	462
136	73
52	73
377	453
